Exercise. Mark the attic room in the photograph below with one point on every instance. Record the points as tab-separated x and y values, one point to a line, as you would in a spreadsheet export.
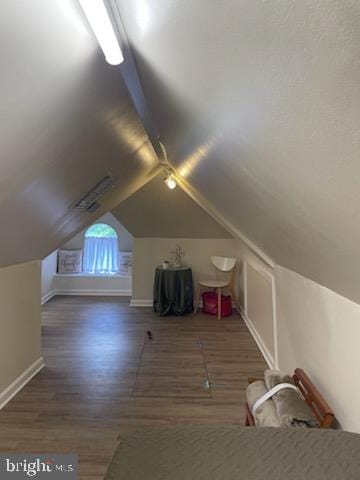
179	293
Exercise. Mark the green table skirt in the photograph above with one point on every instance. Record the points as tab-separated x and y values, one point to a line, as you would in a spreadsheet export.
173	291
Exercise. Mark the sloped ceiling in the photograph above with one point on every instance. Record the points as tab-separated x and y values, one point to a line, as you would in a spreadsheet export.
257	103
66	121
156	211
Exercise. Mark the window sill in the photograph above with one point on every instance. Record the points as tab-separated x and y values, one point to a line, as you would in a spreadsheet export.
90	275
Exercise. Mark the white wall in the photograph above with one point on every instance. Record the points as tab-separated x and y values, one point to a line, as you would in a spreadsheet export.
315	329
48	270
68	284
258	305
150	252
125	239
20	326
319	330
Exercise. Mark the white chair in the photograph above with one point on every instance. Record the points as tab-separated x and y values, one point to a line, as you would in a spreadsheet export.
222	264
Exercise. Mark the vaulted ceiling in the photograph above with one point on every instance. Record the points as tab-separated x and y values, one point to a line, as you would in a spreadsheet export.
67	120
258	105
256	102
156	211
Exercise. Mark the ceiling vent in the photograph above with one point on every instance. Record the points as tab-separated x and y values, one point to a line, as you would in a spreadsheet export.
89	201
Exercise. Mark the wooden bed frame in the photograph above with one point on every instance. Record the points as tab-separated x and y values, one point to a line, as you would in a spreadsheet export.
312	396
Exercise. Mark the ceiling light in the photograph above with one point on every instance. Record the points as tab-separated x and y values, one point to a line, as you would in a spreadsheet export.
170	182
100	22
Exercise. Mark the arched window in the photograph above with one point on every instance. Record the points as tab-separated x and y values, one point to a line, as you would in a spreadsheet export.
101	253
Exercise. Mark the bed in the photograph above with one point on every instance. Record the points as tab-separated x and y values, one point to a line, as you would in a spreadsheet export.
236	453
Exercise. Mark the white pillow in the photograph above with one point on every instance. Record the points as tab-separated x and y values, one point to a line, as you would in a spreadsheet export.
125	262
70	261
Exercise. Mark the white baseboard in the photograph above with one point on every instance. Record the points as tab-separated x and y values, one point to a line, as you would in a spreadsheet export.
141	303
94	292
259	341
88	292
9	392
48	296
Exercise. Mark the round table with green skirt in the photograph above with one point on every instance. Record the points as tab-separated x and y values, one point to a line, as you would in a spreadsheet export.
173	291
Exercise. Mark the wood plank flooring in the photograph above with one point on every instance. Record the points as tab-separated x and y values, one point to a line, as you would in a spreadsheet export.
103	377
172	366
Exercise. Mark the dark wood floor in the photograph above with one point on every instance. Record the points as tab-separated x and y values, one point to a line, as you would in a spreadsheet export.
103	378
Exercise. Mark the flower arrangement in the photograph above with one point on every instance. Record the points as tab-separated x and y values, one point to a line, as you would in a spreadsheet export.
177	256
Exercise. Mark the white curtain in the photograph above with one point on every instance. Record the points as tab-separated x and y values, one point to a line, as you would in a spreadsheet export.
101	255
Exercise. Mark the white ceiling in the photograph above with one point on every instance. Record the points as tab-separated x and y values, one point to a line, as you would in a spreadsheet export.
66	119
258	105
156	211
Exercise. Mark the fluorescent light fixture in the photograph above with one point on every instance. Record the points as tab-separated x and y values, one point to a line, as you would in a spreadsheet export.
98	17
170	182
